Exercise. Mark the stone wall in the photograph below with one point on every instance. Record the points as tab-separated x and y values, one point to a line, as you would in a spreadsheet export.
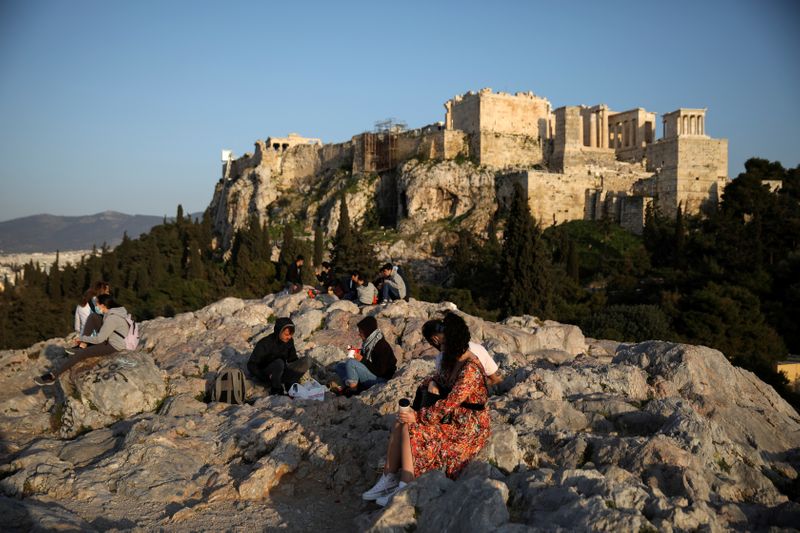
376	152
485	111
691	170
506	150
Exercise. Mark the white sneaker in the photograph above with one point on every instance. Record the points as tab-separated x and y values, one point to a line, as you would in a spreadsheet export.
385	484
383	501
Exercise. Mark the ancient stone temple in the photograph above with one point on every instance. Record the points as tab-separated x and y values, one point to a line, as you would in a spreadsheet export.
575	162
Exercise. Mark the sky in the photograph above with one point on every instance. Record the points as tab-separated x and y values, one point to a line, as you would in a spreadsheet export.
125	106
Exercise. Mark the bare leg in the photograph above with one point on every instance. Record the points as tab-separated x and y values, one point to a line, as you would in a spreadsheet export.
393	453
406	459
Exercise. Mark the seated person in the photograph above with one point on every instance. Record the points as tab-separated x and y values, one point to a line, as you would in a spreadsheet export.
375	364
109	340
294	275
444	436
326	278
367	293
392	286
350	287
274	361
433	331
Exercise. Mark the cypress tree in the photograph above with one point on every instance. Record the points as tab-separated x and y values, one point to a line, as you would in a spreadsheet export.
680	239
525	263
319	246
351	250
287	255
573	268
54	290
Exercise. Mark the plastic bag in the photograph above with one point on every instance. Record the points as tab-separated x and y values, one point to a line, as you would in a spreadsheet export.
310	390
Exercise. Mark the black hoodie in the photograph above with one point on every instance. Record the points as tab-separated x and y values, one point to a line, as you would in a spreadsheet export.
270	348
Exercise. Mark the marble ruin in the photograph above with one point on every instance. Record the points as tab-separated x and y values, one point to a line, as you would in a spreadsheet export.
575	162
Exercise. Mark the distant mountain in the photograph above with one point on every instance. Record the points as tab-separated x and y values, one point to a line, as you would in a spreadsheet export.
48	233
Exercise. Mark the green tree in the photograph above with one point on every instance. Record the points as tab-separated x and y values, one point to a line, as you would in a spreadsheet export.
351	249
319	246
525	263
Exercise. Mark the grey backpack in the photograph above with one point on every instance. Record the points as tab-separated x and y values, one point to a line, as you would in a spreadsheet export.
229	387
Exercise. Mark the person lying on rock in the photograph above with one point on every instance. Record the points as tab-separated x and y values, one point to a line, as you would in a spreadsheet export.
274	361
109	340
433	331
374	364
446	435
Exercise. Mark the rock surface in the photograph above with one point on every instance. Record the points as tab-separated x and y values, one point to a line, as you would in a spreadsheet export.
649	436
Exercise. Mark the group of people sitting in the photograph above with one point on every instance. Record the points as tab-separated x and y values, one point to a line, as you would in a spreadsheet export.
389	285
100	326
447	424
444	428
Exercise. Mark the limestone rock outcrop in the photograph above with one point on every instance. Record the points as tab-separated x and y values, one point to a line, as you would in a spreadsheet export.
657	436
108	389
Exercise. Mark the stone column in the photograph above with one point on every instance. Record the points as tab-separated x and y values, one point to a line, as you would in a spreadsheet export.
593	130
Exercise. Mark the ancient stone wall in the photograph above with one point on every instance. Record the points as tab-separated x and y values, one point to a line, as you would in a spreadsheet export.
376	152
501	150
691	170
485	111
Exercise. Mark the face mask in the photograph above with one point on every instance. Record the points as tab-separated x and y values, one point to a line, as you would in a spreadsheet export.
99	311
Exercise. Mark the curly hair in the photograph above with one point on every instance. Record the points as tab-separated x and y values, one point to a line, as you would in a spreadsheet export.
456	340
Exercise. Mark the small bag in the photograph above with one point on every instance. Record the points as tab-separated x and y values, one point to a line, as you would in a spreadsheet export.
310	390
229	387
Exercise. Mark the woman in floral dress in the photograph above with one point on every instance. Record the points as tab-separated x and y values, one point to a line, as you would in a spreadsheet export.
447	434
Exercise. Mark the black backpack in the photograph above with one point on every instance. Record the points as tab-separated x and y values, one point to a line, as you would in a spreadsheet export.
229	387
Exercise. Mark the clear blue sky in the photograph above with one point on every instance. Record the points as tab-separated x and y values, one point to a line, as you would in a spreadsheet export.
126	105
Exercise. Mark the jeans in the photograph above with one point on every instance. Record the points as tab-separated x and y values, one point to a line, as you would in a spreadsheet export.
389	292
355	372
92	350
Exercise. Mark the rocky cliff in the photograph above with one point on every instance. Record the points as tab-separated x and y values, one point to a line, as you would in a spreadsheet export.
587	435
302	185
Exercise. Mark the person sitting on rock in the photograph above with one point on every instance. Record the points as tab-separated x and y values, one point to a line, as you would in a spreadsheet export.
91	319
374	364
326	278
433	331
446	435
274	361
109	340
367	293
294	275
350	287
391	285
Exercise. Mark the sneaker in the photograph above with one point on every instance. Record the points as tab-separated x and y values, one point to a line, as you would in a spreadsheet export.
387	483
384	500
45	379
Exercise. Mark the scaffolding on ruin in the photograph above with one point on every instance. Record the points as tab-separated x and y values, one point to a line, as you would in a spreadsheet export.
380	151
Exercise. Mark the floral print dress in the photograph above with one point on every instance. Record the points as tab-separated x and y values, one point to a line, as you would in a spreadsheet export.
447	435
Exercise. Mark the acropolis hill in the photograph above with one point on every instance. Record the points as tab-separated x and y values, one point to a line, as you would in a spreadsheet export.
575	162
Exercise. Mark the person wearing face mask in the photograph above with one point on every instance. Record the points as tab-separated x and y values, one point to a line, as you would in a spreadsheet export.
109	340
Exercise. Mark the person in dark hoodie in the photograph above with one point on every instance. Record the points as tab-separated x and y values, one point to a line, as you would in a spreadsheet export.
375	363
274	360
294	275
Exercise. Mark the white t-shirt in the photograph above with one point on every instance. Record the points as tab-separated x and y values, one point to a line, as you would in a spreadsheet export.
489	366
81	314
